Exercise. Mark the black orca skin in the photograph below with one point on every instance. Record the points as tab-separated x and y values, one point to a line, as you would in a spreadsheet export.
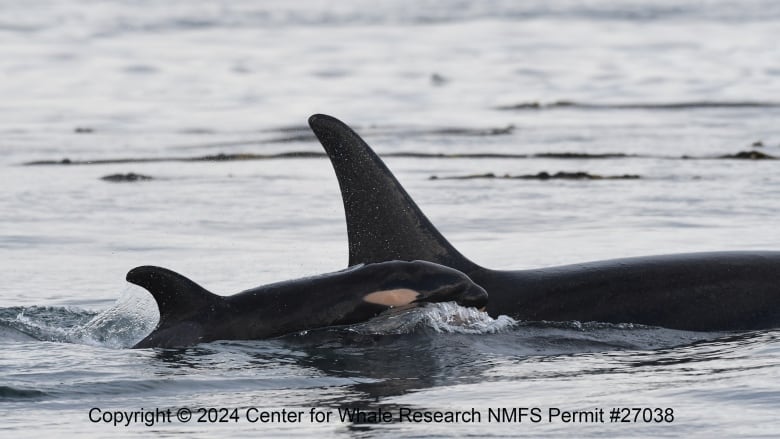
189	314
718	291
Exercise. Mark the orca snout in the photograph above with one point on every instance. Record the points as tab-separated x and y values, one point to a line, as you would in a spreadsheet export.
473	296
439	283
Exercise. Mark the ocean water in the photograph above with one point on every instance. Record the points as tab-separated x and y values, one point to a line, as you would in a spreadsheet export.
666	90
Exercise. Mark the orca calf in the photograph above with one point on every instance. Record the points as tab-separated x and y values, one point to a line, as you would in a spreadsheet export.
699	291
189	314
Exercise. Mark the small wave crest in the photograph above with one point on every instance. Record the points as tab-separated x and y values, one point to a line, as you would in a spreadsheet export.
43	323
12	393
447	317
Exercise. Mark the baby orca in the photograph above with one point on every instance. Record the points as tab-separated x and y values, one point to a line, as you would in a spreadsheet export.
189	314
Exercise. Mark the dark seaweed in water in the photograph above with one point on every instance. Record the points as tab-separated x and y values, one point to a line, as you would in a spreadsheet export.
129	177
224	157
541	176
749	155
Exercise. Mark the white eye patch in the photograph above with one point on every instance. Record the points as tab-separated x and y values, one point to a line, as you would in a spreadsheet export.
398	297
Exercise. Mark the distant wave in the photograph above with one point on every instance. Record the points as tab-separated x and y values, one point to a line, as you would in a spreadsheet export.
156	17
685	105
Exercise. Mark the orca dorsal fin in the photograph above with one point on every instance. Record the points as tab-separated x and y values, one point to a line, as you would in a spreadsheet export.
383	222
178	298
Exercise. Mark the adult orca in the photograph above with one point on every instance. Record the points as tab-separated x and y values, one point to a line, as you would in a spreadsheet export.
189	314
698	291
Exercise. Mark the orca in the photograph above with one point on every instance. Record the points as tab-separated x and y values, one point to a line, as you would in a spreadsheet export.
189	314
717	291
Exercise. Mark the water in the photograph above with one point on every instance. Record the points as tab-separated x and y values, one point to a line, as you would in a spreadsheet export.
655	81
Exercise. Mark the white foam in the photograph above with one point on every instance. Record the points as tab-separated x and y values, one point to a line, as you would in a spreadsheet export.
447	317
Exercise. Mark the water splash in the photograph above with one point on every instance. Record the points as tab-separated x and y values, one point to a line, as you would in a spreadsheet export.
447	317
122	325
131	318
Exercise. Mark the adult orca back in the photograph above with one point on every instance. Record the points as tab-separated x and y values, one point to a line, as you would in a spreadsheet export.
700	291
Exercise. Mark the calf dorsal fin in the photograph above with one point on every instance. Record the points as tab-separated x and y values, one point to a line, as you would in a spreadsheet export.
178	298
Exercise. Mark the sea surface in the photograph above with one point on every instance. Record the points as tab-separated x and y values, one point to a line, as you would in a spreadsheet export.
210	98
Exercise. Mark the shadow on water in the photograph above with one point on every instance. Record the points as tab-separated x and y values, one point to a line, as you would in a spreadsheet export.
373	367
